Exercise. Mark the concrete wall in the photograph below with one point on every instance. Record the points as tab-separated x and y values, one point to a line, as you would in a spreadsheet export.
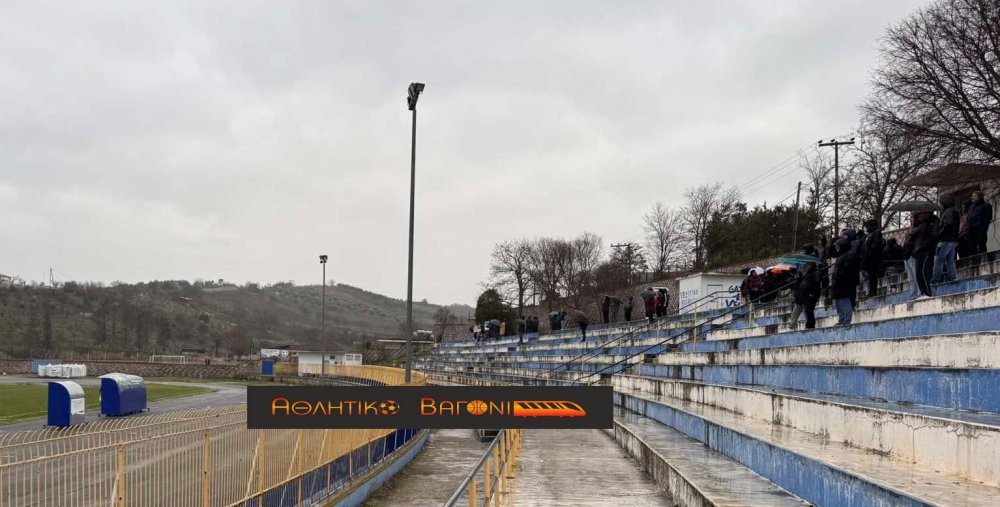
95	368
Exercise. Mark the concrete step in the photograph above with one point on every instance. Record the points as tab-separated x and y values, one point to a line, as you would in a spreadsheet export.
693	474
963	443
977	299
964	350
959	321
956	388
812	467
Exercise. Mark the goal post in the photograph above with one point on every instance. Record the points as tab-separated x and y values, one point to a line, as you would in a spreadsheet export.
167	359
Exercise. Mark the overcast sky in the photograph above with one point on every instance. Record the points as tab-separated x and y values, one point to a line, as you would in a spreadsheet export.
239	140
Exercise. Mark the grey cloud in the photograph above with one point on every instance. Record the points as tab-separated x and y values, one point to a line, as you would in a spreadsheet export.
241	139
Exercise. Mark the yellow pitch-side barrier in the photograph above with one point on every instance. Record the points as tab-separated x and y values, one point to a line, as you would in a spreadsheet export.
204	457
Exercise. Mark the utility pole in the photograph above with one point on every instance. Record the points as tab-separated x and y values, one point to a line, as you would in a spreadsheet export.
795	229
628	260
836	179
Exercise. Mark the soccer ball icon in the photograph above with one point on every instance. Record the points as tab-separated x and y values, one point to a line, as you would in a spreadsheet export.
476	407
388	407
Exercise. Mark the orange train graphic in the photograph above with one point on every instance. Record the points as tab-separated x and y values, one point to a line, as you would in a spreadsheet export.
548	409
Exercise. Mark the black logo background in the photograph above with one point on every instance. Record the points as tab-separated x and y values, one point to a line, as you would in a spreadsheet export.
595	400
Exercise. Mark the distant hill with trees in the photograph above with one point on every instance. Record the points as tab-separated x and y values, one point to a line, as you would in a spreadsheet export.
164	317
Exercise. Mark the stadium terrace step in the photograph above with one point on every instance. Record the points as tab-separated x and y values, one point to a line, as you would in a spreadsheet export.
984	298
694	474
968	350
812	467
963	443
959	321
957	388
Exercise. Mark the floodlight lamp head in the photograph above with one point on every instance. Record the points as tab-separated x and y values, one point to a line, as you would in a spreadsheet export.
413	93
322	259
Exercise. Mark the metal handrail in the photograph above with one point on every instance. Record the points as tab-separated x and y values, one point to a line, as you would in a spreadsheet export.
504	449
617	340
685	332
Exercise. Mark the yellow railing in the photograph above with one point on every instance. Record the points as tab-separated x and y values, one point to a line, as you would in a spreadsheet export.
384	375
486	484
203	458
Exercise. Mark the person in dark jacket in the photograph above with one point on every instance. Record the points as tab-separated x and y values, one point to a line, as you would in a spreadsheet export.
628	310
893	256
662	301
944	255
823	254
606	309
845	279
920	245
581	320
522	326
964	245
649	299
806	295
752	287
554	322
871	255
616	305
980	218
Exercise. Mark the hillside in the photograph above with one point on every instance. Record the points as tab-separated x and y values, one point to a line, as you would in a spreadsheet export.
163	317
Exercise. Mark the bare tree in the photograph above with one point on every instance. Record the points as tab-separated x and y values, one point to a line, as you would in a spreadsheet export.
665	237
940	75
544	272
443	320
702	205
626	260
883	160
510	269
579	260
818	166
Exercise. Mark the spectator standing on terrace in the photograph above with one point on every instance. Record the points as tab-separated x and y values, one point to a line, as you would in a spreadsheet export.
871	255
554	323
893	256
628	309
806	295
616	305
580	319
521	326
649	299
753	286
944	256
920	246
823	254
606	309
964	248
665	304
844	283
980	218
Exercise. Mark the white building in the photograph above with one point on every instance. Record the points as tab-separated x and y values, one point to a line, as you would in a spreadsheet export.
708	291
311	362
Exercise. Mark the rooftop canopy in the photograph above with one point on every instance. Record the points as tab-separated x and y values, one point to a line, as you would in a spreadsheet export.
955	174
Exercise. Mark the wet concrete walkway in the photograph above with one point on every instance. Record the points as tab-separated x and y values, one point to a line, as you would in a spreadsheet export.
433	475
579	468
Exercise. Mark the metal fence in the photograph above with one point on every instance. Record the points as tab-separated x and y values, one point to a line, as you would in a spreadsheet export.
203	457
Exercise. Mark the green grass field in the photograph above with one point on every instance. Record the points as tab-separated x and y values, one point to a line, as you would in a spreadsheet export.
28	401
